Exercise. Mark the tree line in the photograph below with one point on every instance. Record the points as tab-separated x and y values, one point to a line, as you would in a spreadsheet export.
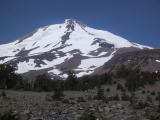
134	79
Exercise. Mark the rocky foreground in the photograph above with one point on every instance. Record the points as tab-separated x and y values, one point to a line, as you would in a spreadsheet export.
40	106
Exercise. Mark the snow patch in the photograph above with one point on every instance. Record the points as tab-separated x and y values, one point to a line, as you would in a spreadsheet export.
86	64
25	66
6	60
157	61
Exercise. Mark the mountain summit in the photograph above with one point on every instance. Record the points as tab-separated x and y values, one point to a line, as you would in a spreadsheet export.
57	48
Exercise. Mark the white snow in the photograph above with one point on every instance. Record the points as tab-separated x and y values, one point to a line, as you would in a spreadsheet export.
111	38
102	53
45	40
87	64
142	46
6	60
49	37
84	73
26	66
158	61
55	71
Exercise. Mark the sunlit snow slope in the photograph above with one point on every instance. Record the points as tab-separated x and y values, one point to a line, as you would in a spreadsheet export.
62	47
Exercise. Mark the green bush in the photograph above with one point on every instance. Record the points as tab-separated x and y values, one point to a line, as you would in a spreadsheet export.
158	102
155	116
143	92
90	97
9	115
149	99
108	89
58	95
81	99
87	115
58	92
100	93
120	87
153	93
116	97
66	101
125	97
3	94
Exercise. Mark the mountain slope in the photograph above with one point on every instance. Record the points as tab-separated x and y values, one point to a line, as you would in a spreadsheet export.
61	47
145	60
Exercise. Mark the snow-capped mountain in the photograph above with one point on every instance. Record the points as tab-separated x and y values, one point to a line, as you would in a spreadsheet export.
61	47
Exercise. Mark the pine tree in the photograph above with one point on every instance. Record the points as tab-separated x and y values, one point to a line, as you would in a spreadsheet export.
158	101
133	100
133	81
100	93
58	91
122	71
42	83
71	81
8	77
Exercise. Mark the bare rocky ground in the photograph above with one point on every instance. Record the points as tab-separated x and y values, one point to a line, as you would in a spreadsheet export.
40	106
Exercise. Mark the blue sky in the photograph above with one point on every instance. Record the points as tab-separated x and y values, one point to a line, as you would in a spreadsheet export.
135	20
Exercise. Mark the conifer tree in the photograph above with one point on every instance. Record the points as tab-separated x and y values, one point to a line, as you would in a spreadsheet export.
100	93
8	77
71	81
158	101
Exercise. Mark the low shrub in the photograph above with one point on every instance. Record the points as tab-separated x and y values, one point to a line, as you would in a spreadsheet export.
9	115
87	115
81	99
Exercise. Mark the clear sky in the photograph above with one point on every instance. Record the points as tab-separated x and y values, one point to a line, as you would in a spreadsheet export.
135	20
